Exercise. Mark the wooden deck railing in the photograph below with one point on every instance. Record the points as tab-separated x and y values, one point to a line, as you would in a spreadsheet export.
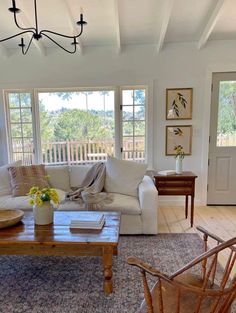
77	152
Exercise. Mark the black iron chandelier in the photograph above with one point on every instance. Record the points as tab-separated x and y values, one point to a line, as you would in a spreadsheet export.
37	35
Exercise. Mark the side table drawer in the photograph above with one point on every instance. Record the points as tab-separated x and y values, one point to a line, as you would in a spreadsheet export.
173	183
168	191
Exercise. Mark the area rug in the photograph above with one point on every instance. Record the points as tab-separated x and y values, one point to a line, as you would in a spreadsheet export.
35	284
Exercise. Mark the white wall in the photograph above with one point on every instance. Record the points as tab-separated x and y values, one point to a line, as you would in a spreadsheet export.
177	65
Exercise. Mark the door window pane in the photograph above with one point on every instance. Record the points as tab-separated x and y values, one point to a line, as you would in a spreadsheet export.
226	126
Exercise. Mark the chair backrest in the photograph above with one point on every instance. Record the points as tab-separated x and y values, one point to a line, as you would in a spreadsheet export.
205	285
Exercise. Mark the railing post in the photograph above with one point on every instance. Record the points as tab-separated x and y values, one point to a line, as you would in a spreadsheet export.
68	151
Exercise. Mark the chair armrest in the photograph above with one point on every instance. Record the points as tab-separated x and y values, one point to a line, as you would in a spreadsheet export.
146	267
148	199
207	233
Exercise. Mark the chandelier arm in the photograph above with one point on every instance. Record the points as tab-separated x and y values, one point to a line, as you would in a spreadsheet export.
43	31
22	28
21	33
25	51
61	45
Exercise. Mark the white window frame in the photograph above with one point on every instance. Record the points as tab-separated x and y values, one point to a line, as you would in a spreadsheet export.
118	118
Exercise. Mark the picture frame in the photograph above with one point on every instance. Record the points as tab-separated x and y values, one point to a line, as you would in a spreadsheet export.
178	135
179	103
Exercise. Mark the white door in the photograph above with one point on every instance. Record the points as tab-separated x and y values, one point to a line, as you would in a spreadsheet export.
222	147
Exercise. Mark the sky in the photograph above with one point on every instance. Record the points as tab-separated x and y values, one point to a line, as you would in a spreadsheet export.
95	101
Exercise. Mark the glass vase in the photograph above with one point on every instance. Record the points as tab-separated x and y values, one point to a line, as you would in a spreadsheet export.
179	165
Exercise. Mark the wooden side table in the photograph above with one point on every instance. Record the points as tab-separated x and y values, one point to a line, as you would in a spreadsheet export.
178	185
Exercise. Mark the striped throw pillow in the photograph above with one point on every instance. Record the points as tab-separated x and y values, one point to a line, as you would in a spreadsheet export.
25	177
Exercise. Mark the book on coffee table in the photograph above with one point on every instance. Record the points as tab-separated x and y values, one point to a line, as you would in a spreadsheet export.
166	172
88	220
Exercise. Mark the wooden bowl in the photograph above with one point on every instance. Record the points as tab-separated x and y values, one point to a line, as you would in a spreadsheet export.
10	217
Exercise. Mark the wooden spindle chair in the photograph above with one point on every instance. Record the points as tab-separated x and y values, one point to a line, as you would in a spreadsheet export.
201	286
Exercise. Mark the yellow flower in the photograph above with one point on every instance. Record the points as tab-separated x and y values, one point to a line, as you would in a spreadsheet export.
38	201
31	202
33	190
46	194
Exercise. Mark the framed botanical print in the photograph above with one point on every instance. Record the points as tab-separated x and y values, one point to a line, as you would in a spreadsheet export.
179	103
179	135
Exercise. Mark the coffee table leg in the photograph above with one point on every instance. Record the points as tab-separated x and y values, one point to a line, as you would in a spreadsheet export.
107	266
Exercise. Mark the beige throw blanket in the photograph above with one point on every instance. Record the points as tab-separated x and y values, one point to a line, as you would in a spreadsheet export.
93	182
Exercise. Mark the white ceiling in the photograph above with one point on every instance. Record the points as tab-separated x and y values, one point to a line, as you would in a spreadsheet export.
124	22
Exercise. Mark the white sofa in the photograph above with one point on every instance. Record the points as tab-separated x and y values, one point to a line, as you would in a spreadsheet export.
138	214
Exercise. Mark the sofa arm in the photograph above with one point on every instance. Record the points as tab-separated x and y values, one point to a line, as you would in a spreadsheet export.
148	198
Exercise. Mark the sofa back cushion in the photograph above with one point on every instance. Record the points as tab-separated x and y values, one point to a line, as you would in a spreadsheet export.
5	186
25	177
59	176
124	176
77	174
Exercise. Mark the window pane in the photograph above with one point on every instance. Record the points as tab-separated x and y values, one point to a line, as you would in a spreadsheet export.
128	143
127	97
15	116
80	130
14	100
128	112
25	100
128	128
17	145
16	130
26	115
226	128
27	130
139	112
139	96
139	128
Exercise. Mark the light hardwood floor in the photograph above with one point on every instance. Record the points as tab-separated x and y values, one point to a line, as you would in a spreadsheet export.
220	220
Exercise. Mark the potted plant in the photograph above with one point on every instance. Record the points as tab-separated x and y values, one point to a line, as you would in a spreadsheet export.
179	156
42	202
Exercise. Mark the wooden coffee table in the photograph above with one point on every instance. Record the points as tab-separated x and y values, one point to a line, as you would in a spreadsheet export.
57	239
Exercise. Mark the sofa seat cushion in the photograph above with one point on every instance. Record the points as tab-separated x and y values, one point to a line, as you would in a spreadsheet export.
15	203
113	202
121	203
22	202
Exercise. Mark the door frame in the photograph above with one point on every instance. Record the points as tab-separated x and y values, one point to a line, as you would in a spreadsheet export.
206	121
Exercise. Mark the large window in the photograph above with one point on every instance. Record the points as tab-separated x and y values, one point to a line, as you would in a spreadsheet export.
76	126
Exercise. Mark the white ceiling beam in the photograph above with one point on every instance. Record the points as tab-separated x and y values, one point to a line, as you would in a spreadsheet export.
210	24
72	23
165	22
117	25
24	22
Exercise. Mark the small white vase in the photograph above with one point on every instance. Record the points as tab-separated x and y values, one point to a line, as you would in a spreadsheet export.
179	165
43	215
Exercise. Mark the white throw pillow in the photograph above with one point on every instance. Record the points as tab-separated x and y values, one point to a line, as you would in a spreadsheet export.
77	174
5	186
124	176
59	176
